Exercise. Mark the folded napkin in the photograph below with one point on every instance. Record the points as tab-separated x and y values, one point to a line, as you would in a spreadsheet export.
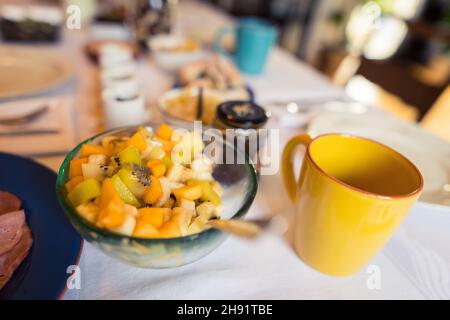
50	133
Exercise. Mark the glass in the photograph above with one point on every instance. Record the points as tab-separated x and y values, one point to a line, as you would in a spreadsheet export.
238	181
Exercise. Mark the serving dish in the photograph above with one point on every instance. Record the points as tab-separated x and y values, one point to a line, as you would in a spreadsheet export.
171	52
238	181
26	71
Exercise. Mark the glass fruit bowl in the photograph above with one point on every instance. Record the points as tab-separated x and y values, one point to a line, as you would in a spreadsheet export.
238	181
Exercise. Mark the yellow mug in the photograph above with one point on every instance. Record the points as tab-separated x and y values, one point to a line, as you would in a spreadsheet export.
351	195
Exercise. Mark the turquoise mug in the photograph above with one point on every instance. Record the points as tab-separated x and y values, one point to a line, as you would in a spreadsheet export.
254	39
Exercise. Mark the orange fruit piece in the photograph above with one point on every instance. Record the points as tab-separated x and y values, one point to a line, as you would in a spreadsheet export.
145	230
164	132
72	183
192	192
75	167
157	167
154	191
170	229
154	216
167	146
138	141
112	216
111	207
88	149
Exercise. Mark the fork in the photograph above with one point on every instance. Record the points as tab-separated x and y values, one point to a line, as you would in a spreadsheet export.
25	119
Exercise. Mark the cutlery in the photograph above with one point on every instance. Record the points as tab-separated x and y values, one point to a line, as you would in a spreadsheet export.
331	105
25	119
247	228
200	103
17	133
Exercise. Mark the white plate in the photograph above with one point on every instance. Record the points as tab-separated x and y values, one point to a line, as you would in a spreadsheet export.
25	70
429	153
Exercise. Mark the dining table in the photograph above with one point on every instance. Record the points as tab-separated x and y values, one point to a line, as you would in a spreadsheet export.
415	263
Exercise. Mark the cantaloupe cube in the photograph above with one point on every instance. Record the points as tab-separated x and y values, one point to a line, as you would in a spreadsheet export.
167	146
170	229
157	167
138	141
154	191
112	216
154	216
88	149
145	230
164	132
192	192
75	167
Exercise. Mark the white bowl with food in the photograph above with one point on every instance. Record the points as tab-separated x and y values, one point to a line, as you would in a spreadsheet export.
180	106
171	52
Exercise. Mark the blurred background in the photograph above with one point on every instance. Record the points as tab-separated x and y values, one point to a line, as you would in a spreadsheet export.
393	54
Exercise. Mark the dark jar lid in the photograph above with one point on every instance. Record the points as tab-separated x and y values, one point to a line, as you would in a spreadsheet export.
241	114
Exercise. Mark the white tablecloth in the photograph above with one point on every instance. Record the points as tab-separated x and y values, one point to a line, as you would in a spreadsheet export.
414	265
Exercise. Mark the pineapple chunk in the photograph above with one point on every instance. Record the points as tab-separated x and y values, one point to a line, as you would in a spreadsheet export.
206	176
157	153
183	218
205	210
189	192
179	173
89	211
99	159
176	185
198	225
175	172
186	204
166	190
218	210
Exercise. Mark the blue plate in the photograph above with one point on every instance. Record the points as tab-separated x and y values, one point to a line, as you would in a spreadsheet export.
56	244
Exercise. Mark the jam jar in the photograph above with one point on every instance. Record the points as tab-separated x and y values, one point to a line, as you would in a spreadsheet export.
240	121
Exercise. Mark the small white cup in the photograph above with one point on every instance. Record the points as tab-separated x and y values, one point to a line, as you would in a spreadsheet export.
112	55
128	68
129	83
123	107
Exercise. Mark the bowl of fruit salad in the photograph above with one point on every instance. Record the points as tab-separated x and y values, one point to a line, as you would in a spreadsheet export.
144	195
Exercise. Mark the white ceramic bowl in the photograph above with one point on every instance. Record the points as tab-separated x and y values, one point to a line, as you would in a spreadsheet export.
213	95
172	60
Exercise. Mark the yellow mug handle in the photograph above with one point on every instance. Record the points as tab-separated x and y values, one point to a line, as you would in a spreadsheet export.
287	165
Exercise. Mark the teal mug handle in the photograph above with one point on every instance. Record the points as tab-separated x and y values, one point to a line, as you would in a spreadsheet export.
219	39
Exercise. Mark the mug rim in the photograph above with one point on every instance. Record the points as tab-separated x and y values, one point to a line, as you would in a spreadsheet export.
415	192
256	24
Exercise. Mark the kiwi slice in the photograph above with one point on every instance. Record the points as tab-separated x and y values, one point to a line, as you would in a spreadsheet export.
125	194
136	178
130	155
